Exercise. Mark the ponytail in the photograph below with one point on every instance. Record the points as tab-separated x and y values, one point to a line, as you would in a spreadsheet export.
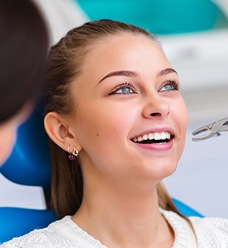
66	183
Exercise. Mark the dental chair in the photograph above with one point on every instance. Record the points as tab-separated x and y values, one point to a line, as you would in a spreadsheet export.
29	164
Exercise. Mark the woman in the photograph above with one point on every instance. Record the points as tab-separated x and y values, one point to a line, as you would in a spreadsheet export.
113	104
23	45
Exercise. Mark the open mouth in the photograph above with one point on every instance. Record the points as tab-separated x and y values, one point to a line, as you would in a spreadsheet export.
154	138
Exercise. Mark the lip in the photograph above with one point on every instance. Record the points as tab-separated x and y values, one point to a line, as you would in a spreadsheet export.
160	147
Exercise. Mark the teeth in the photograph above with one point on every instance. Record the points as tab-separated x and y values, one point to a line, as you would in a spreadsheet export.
157	136
151	136
145	137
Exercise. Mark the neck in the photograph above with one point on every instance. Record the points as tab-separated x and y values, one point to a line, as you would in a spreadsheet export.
124	217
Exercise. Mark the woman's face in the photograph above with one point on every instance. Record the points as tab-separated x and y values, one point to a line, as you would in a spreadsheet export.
130	117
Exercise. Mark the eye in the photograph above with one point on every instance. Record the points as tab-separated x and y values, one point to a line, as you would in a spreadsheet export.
170	86
124	89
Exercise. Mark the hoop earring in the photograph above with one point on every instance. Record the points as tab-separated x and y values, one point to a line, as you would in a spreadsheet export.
72	155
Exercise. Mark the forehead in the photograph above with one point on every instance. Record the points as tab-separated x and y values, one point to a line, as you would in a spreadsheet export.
123	42
121	48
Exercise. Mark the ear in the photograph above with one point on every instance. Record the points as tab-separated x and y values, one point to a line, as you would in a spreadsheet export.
58	131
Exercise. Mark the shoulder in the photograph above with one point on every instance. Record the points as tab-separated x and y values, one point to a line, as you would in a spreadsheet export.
34	239
210	223
207	232
211	232
63	233
41	238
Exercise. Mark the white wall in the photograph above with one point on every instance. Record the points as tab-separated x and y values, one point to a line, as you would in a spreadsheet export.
201	179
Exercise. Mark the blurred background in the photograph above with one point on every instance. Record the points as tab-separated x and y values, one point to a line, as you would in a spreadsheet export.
194	35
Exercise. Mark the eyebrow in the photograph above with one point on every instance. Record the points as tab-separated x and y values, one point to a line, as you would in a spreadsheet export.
120	73
135	74
167	71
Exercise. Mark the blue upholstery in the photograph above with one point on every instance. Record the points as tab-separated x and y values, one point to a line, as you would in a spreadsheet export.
18	221
185	209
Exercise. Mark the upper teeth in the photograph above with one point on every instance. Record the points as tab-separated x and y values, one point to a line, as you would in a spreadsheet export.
155	136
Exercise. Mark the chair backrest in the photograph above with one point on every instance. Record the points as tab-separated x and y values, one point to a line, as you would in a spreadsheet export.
185	209
29	165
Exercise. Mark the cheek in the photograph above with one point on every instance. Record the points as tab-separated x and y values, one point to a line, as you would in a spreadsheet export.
7	140
108	117
108	127
184	115
181	119
181	114
103	128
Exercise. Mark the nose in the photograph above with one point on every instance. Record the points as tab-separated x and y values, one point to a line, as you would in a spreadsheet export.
156	107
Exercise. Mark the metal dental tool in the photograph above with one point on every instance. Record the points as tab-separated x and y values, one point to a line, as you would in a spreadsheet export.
213	129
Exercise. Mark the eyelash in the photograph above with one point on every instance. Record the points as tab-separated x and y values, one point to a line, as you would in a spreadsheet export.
122	86
174	84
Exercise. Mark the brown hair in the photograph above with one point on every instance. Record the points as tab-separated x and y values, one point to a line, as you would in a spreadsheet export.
65	63
24	47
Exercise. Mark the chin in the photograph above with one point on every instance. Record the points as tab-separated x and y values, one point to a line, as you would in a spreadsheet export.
156	173
164	169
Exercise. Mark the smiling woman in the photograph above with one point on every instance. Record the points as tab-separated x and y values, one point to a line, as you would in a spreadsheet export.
117	124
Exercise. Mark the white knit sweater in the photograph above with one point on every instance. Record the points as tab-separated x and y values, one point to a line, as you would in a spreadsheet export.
209	233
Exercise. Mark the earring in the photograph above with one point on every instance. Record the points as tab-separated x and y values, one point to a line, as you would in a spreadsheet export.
73	155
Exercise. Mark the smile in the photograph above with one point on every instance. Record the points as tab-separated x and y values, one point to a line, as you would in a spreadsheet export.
157	137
